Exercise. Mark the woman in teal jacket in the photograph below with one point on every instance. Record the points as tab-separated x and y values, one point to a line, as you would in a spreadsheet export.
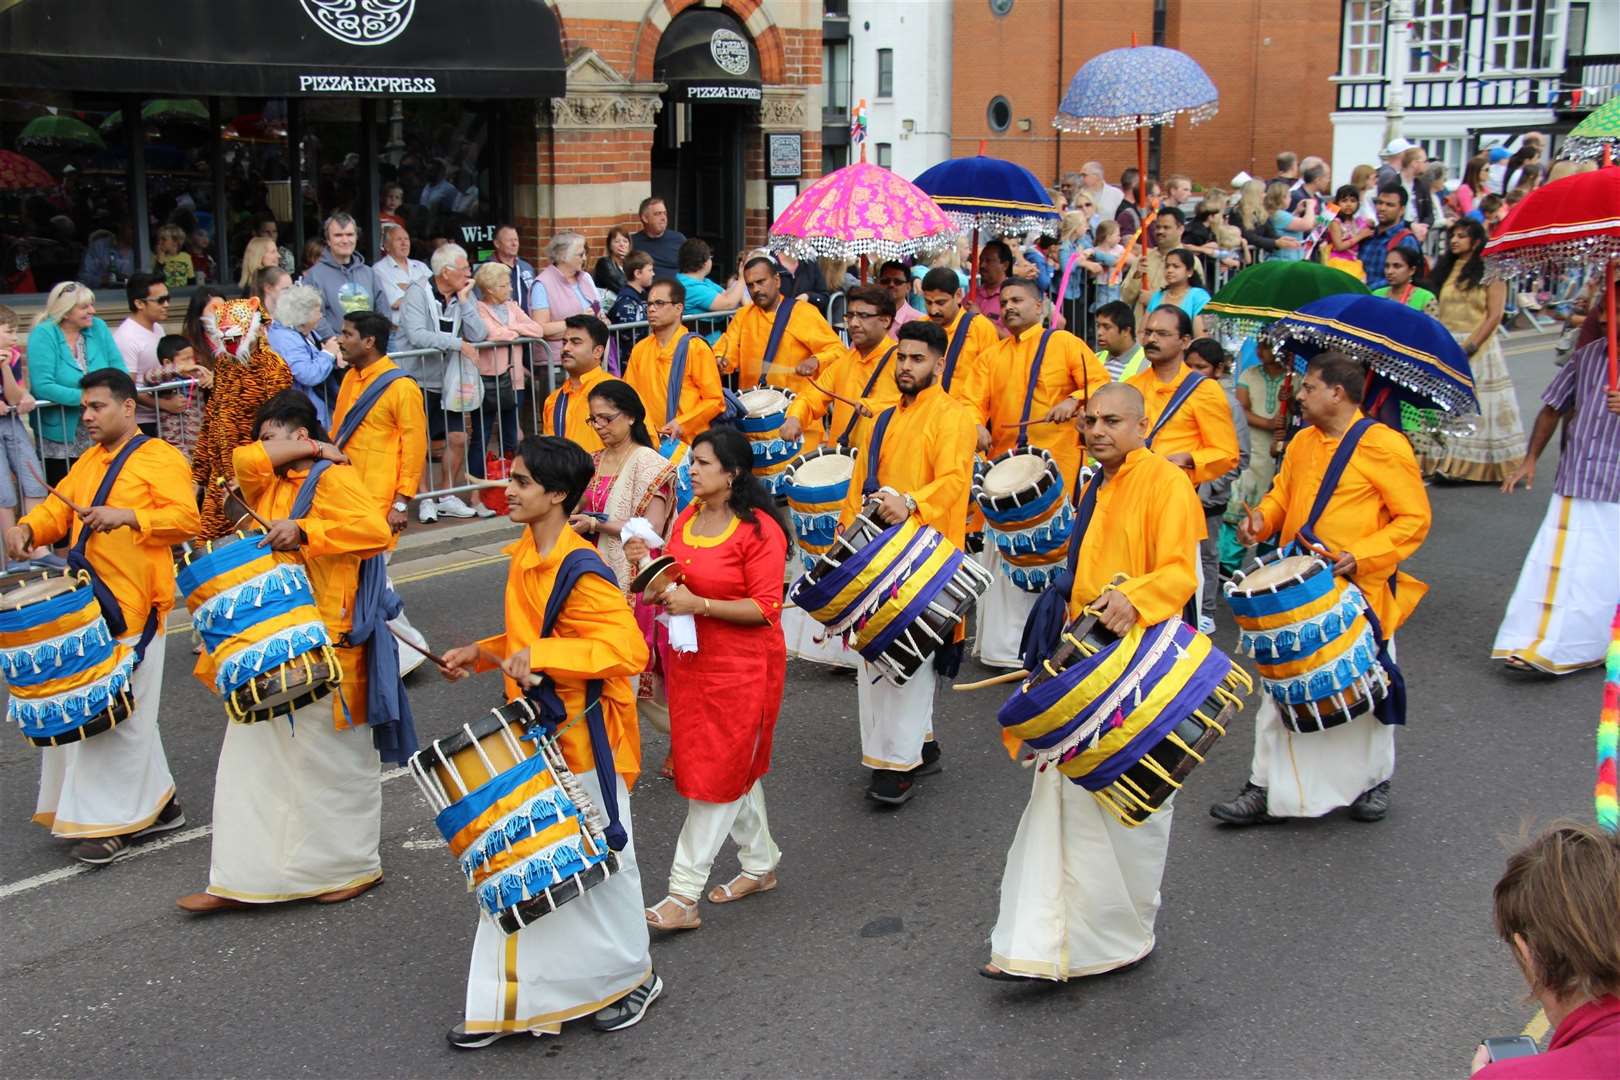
68	342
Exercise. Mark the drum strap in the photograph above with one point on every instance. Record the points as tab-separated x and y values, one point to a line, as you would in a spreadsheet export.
362	406
874	453
1029	391
677	377
79	560
1177	400
778	328
954	352
1043	629
575	565
388	709
854	415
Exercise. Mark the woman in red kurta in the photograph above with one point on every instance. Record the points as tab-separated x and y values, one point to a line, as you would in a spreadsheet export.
723	698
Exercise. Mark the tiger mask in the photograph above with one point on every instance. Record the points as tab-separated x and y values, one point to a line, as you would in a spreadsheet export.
233	327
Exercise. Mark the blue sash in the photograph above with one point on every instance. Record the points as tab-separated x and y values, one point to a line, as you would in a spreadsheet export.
575	565
874	452
767	360
362	406
1177	400
854	414
1029	391
1043	629
677	376
954	352
78	559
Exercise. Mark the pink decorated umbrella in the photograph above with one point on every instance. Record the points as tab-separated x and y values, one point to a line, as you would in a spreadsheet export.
859	211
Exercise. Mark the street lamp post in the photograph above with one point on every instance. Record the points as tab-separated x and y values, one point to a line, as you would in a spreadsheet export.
1397	57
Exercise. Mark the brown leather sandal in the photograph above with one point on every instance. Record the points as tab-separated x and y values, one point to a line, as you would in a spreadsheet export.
744	884
686	919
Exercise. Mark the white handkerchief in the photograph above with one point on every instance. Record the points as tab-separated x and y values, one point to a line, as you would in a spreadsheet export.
682	628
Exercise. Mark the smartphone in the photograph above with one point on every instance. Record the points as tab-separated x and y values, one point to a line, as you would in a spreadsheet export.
1509	1046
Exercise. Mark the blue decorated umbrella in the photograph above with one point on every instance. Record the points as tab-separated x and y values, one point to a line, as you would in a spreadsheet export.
989	194
1416	365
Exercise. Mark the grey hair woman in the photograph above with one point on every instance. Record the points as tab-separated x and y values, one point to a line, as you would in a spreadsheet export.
292	336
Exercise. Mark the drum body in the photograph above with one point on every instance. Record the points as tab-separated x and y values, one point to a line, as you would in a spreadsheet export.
525	833
1021	493
257	618
895	594
767	412
1308	633
1127	718
816	485
678	452
68	678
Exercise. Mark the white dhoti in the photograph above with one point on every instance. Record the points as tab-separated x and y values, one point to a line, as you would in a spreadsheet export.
580	958
706	827
115	783
895	720
1314	774
1004	609
297	808
1559	616
1081	891
801	632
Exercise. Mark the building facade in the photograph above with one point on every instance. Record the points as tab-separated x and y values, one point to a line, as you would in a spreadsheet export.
894	60
1270	60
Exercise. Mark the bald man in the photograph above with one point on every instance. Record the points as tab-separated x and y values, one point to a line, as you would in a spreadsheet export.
1081	891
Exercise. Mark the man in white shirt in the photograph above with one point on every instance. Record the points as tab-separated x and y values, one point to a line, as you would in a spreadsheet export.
1105	196
138	337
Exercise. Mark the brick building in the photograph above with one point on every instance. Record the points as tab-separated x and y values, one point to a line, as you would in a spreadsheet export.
1271	60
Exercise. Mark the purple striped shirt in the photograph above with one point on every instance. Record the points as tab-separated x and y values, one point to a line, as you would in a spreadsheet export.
1589	459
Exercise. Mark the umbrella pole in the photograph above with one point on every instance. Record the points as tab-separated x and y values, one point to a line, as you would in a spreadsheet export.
1141	169
863	269
973	262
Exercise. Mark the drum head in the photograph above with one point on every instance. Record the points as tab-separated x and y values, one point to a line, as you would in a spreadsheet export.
35	592
1016	473
764	401
457	748
821	469
1275	574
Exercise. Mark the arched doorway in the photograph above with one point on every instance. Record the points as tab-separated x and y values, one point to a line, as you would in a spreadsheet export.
711	66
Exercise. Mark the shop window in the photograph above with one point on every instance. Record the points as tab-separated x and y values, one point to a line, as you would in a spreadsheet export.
258	181
885	73
885	155
999	114
441	155
178	151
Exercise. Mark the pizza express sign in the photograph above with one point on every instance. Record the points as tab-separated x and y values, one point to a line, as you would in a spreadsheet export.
727	78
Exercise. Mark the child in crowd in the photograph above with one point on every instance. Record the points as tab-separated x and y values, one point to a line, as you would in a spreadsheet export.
1106	251
20	472
1345	233
169	260
179	411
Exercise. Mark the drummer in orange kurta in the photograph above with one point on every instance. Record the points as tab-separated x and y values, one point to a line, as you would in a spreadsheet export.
700	399
1199	437
570	402
943	294
864	373
808	345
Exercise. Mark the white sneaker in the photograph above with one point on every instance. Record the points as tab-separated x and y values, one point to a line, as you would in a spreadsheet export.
426	512
482	510
1206	625
452	506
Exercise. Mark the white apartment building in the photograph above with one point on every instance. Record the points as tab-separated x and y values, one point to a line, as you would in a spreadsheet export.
898	58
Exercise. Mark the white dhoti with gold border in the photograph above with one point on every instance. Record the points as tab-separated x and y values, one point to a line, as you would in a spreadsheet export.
1316	773
1559	616
809	640
1003	610
297	808
115	783
582	957
895	720
1081	891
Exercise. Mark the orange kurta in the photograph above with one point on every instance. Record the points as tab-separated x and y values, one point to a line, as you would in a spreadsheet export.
927	454
1202	426
700	398
342	528
134	563
850	376
807	335
967	381
390	448
1379	511
575	410
1070	369
595	637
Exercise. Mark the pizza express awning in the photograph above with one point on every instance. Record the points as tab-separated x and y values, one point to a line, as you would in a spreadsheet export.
285	48
707	56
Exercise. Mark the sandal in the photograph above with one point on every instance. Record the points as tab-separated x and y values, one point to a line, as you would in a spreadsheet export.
744	884
687	919
667	770
990	971
1513	663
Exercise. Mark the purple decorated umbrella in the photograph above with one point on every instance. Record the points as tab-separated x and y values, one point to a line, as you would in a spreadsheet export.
859	211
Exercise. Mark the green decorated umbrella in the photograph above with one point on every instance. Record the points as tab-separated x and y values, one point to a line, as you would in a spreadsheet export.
59	131
1601	128
1267	291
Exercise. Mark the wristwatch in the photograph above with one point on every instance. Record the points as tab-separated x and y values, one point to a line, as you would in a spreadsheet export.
911	505
401	505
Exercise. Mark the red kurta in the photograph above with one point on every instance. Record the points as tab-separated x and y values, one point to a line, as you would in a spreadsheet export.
724	698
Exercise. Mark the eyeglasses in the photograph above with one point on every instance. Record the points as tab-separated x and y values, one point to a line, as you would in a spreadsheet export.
852	314
602	419
893	283
651	304
164	299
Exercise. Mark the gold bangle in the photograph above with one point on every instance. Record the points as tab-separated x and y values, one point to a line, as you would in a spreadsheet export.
706	610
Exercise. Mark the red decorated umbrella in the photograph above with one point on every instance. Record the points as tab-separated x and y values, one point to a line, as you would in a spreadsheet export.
1572	221
18	173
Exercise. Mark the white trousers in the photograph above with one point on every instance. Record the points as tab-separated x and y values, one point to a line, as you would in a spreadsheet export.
1081	891
1558	619
1314	774
582	957
706	827
1004	609
117	782
895	720
297	808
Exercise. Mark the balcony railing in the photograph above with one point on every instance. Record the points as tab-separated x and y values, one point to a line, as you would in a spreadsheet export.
1589	81
1427	93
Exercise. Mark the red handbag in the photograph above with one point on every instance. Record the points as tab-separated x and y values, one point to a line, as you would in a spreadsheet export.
495	468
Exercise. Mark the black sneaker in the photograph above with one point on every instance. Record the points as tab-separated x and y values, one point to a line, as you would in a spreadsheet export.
1249	808
628	1010
101	850
462	1039
1372	804
170	817
889	787
930	760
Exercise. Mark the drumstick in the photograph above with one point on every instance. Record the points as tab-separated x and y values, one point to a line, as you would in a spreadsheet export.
1005	677
233	489
856	405
1028	423
439	660
75	507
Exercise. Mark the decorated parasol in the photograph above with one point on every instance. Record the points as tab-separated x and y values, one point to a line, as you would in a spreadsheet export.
1600	128
58	131
989	194
1265	292
1573	221
18	173
861	210
1414	360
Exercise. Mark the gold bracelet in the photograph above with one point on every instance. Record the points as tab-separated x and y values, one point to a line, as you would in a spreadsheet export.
706	610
